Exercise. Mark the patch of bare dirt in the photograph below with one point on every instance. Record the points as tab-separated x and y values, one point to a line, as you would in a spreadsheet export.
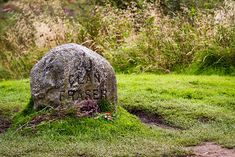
86	108
153	120
38	119
4	124
205	119
209	149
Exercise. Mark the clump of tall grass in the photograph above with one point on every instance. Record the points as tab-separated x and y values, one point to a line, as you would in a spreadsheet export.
193	39
136	36
38	26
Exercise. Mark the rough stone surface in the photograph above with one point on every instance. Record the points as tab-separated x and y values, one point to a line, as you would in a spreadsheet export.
69	74
86	108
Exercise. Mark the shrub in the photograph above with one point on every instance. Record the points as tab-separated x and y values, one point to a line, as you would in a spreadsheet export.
135	36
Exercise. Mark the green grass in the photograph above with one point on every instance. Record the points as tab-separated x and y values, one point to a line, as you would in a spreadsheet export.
14	96
202	106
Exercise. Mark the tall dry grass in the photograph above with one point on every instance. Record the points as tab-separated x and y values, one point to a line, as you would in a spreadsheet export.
134	38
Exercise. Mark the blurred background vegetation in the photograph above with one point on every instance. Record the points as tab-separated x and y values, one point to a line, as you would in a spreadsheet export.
159	36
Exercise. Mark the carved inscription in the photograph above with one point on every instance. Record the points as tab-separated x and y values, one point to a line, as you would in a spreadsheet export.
87	82
69	74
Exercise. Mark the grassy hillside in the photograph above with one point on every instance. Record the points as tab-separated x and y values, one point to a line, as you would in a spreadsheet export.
187	109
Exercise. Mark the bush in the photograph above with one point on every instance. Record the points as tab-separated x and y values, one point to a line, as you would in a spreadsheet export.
220	56
135	36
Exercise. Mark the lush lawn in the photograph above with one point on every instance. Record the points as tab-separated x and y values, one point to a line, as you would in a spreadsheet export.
202	108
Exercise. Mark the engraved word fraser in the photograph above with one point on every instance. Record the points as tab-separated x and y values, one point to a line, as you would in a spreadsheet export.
69	74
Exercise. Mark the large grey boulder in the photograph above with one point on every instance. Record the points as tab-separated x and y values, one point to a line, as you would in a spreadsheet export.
70	74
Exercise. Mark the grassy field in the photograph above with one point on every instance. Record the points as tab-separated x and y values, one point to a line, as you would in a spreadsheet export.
191	110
